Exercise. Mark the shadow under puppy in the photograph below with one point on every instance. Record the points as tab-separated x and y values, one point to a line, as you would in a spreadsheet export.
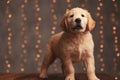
73	44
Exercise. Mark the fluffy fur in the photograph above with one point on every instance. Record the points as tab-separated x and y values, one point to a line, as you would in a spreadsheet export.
73	44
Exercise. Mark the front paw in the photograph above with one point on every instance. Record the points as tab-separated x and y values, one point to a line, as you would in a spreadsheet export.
69	78
43	76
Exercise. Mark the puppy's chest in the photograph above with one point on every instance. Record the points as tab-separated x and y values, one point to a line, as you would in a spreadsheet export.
76	49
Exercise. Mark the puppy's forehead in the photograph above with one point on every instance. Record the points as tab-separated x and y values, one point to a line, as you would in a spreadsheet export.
77	10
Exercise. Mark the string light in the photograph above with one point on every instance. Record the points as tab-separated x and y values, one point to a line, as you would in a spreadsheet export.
83	4
39	36
114	31
53	29
101	32
68	4
25	41
9	37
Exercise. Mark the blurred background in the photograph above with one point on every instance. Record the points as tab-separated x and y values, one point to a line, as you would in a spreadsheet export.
27	25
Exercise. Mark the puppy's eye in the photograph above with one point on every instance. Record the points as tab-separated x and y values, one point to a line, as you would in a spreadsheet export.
72	15
82	15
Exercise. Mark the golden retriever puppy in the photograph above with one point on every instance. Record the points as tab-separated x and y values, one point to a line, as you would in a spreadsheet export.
73	44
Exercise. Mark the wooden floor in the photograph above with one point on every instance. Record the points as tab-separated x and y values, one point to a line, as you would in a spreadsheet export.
5	76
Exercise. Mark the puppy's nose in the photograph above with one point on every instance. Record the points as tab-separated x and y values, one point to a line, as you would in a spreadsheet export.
77	20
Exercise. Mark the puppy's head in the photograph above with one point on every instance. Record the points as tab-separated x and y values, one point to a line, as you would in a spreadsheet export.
77	20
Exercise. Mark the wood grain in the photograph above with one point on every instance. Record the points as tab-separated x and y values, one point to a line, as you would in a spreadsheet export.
35	76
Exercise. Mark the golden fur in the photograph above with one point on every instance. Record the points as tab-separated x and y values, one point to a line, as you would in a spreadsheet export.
73	44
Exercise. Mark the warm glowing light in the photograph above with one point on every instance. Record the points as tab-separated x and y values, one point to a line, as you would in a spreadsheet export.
37	9
9	38
8	2
10	15
69	5
23	45
24	60
101	59
39	41
116	41
97	14
22	6
118	55
25	41
54	1
98	8
114	32
24	51
10	34
101	46
101	17
113	14
113	0
114	27
116	38
113	19
54	22
116	49
7	70
9	29
37	46
36	5
25	1
10	47
54	28
39	19
68	1
101	31
54	17
52	32
38	55
6	61
40	51
101	4
22	69
8	65
25	18
83	5
102	69
116	78
103	65
37	27
52	10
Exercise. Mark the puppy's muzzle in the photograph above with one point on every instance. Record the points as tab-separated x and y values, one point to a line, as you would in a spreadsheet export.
78	24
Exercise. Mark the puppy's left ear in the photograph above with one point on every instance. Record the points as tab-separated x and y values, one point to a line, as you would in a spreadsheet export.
91	22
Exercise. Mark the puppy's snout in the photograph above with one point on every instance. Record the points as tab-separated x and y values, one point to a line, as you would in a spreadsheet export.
77	20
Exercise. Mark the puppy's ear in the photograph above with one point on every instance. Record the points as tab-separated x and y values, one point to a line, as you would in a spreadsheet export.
91	22
64	24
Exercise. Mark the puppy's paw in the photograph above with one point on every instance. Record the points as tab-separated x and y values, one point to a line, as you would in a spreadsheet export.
69	78
94	78
43	76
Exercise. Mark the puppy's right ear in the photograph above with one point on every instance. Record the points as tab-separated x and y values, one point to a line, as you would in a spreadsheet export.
64	24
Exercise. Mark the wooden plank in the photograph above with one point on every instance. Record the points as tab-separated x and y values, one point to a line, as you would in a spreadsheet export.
24	76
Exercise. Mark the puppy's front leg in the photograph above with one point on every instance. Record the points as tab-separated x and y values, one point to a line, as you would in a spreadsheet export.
68	69
90	67
49	59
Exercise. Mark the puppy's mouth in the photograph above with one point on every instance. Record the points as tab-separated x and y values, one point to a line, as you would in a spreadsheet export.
77	28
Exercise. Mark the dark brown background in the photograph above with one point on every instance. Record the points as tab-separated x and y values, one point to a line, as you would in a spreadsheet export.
25	58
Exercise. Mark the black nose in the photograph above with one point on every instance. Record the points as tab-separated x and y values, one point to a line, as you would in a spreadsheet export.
78	20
